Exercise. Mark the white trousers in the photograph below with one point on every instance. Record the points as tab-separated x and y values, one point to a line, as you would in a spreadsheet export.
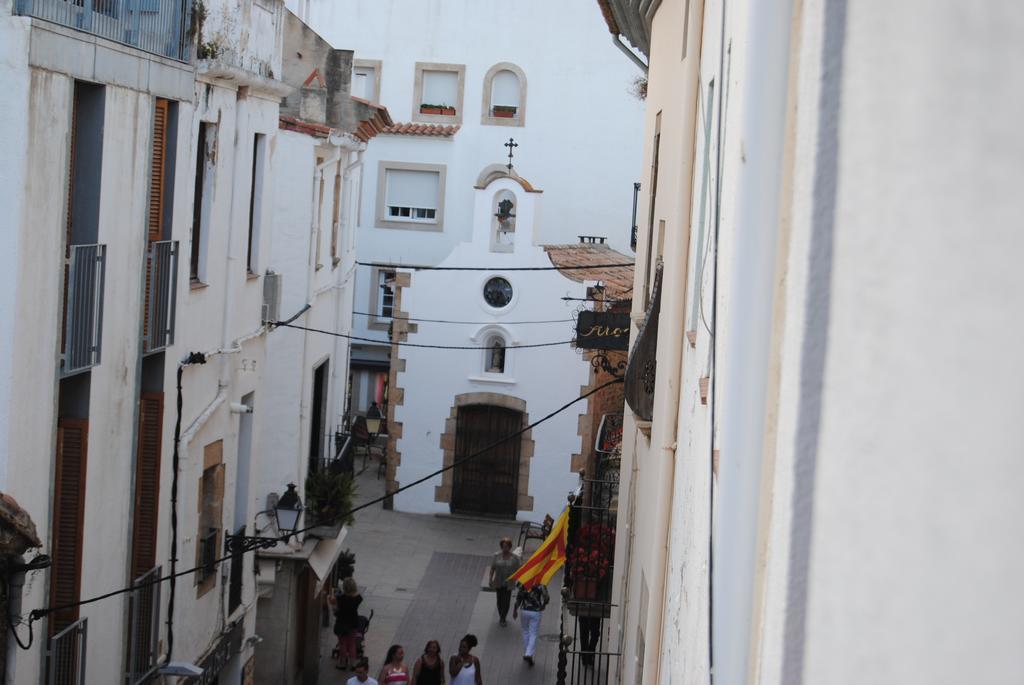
531	625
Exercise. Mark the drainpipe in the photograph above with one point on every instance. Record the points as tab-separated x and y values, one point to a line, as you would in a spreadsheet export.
749	329
617	42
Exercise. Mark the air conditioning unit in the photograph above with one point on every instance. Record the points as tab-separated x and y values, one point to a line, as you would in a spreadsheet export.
271	297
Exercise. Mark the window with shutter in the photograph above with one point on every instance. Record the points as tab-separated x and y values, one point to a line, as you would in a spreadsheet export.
68	514
147	483
158	164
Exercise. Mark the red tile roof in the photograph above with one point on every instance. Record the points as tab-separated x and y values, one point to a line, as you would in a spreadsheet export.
438	130
618	281
609	18
300	126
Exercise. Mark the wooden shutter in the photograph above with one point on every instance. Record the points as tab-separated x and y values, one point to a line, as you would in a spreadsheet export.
156	174
68	515
147	483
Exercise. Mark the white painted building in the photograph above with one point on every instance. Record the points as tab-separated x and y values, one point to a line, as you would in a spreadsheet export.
823	486
139	187
450	403
523	70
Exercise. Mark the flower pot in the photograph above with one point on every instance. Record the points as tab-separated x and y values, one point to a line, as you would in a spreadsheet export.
503	113
424	109
585	588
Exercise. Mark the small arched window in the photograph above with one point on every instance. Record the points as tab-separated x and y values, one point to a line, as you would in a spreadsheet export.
495	362
504	96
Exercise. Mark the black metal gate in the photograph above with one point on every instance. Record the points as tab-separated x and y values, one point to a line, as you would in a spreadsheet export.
488	483
588	651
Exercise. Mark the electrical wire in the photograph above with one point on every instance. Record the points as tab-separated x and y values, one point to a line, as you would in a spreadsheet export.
471	323
406	344
37	614
381	265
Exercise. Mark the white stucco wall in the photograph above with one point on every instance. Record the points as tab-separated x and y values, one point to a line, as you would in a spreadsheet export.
545	377
209	318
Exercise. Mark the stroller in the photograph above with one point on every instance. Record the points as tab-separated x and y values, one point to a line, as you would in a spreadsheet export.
361	630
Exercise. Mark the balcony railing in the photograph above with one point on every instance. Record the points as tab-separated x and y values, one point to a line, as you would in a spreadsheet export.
161	290
160	27
143	628
66	655
83	308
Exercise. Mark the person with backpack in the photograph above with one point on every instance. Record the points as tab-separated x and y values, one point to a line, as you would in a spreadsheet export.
532	602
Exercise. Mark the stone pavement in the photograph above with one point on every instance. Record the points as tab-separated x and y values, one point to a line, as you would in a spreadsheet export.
422	575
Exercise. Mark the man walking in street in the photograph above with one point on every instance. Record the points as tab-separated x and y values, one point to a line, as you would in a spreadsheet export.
532	602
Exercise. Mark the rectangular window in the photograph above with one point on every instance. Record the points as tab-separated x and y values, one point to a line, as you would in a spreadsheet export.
440	88
335	216
364	83
318	419
211	504
259	145
147	483
206	155
385	294
412	195
319	211
68	514
438	92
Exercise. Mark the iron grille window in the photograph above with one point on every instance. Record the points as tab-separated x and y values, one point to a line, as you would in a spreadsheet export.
207	555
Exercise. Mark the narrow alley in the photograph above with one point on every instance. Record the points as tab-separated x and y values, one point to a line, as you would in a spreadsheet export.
423	576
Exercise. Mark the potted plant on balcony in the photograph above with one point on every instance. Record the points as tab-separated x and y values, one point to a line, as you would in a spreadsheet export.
590	560
443	110
329	498
504	111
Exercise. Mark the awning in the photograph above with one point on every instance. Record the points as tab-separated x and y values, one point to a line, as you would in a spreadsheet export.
324	555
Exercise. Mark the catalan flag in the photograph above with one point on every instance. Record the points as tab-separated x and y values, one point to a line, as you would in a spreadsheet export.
548	558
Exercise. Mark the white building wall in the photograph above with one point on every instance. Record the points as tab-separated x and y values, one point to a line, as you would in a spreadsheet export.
544	377
42	61
863	517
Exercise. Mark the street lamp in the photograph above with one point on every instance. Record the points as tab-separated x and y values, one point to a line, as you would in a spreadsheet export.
373	419
286	513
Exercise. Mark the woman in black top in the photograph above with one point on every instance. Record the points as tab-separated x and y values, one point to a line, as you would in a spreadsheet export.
429	668
346	622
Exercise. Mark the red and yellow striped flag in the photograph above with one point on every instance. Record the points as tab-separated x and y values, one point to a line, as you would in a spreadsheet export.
548	558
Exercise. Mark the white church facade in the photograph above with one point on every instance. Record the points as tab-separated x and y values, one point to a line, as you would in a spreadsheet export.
515	365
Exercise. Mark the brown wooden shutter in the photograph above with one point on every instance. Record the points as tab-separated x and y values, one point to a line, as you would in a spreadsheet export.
68	515
147	483
156	174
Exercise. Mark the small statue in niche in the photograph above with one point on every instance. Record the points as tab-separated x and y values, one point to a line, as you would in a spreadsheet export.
496	363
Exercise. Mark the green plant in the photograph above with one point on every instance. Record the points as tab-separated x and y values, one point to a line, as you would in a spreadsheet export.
329	496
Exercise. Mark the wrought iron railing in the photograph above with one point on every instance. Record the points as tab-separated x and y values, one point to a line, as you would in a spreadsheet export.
85	272
161	290
160	27
143	627
237	577
66	656
588	651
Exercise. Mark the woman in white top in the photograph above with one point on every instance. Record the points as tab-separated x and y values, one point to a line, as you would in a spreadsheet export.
464	667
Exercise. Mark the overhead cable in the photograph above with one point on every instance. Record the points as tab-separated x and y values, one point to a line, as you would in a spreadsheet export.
382	265
36	614
471	323
406	344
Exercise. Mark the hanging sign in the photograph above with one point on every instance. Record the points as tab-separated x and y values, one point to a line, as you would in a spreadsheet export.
602	331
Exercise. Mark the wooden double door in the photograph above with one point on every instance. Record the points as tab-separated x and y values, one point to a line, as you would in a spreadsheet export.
489	482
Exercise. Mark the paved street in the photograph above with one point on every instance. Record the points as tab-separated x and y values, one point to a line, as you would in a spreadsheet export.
422	575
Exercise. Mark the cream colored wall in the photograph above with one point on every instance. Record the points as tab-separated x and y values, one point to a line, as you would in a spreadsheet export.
652	453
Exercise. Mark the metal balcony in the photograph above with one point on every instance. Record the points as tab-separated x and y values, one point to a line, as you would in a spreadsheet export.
66	655
143	628
159	27
85	271
161	291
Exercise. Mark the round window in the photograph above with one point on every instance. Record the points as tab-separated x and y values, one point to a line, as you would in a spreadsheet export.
498	292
